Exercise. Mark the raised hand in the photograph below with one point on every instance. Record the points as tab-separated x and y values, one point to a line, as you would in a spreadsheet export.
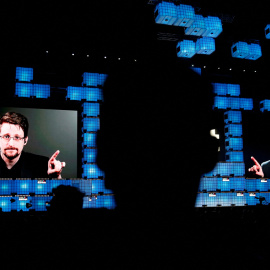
55	166
257	169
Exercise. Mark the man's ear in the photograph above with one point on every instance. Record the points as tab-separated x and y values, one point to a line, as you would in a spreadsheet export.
25	140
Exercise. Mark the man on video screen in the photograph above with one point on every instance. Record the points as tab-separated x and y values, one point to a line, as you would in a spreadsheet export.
262	170
16	163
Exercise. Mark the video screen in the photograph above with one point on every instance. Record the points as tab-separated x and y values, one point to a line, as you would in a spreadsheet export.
51	130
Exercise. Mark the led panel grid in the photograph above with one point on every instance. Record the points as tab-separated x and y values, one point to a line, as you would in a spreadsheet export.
220	89
246	103
234	144
24	74
227	169
238	183
102	78
257	185
233	117
90	79
93	94
265	105
84	93
234	130
99	186
90	109
208	184
41	90
75	93
91	124
91	171
24	89
223	185
83	185
233	89
5	204
240	50
165	13
225	199
197	70
89	139
20	205
185	15
267	31
186	48
89	203
221	102
39	203
54	183
213	26
105	201
239	200
251	200
5	187
197	28
89	155
255	52
22	186
234	103
235	156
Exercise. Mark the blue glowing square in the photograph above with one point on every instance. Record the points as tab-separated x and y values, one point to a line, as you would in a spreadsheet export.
92	171
221	102
185	15
235	156
93	94
24	89
205	45
105	202
220	89
186	48
255	52
89	155
91	124
91	109
267	31
233	89
197	28
240	50
234	130
234	144
5	187
265	105
165	13
102	79
90	79
234	103
24	74
5	204
238	183
41	90
213	27
233	117
246	103
75	93
89	139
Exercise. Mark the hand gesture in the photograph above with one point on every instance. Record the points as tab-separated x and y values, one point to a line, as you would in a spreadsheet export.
55	166
257	169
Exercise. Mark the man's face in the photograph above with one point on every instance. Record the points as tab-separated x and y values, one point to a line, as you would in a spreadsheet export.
12	149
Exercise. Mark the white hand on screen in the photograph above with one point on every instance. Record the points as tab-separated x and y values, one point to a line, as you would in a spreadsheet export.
257	169
55	166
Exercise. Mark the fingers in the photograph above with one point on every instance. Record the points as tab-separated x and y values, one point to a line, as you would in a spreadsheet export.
253	169
255	161
53	157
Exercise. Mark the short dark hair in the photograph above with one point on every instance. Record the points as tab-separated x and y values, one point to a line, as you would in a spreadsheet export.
15	119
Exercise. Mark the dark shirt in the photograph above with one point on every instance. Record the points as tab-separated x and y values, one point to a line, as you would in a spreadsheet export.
266	168
28	166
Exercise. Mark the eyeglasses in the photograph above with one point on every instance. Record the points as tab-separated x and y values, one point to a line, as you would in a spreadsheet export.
7	138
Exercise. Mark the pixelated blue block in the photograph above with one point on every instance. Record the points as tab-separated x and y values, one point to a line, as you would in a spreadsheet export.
89	139
234	156
41	90
238	183
197	28
221	102
89	203
102	79
99	186
265	105
197	70
24	74
255	52
5	204
91	124
220	89
234	130
234	144
84	185
24	89
40	187
246	103
208	184
234	103
227	169
213	26
90	109
92	94
185	15
225	199
40	203
89	155
223	185
239	199
240	50
90	79
233	117
20	205
22	186
92	171
251	199
186	48
165	13
57	182
105	201
261	185
233	89
5	187
267	31
75	93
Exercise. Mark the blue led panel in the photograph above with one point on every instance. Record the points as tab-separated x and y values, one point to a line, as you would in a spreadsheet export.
84	186
165	13
39	203
198	26
225	199
57	182
186	48
213	26
91	124
90	79
233	89
90	109
240	50
267	31
220	89
89	155
208	184
41	91
227	169
22	186
221	102
257	185
205	45
234	103
102	79
75	93
24	74
99	186
234	130
238	183
233	117
89	203
5	187
234	156
251	200
89	139
105	201
246	103
234	144
223	185
265	105
255	52
92	171
24	89
239	200
93	94
5	204
197	70
185	15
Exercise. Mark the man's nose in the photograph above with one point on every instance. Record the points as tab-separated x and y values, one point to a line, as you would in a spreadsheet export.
11	141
